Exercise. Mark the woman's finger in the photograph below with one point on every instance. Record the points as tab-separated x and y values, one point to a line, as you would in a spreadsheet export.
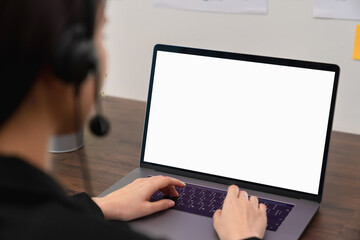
159	206
254	201
233	192
262	207
157	183
170	191
244	195
217	214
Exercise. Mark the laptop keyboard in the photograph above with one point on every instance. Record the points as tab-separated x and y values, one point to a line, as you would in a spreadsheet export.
205	201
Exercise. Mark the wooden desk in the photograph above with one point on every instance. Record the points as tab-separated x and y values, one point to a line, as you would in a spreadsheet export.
112	157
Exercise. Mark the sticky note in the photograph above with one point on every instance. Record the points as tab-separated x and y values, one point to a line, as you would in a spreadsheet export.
356	54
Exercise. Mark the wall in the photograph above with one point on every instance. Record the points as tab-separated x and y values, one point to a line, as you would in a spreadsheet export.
289	30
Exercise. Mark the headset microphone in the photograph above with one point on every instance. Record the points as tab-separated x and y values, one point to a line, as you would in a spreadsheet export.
99	125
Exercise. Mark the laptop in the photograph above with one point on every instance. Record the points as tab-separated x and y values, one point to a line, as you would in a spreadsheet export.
216	118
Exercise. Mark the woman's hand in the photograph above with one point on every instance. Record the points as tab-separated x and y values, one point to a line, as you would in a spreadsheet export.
132	201
240	217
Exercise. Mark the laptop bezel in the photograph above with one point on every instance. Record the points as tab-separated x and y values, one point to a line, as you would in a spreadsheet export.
253	58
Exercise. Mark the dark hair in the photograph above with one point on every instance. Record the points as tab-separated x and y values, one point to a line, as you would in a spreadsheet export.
29	30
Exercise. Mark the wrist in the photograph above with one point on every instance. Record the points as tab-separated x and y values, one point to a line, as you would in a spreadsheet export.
103	206
111	211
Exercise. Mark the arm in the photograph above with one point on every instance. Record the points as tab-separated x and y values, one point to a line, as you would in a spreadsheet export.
87	205
132	201
240	217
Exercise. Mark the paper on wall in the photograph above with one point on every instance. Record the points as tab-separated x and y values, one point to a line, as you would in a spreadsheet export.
341	9
356	53
226	6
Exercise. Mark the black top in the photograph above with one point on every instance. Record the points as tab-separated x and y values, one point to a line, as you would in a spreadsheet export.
34	206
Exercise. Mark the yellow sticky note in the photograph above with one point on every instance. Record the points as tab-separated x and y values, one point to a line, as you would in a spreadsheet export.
356	54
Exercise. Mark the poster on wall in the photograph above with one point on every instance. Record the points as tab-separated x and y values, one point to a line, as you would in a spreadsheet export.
356	53
225	6
340	9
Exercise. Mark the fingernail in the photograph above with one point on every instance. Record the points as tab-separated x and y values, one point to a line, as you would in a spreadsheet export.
171	203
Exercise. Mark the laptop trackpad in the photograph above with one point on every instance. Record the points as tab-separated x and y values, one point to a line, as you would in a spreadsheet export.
173	224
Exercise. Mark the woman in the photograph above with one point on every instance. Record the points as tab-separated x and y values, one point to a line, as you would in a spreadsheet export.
39	99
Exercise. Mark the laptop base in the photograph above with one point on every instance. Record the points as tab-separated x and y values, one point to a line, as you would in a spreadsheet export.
174	224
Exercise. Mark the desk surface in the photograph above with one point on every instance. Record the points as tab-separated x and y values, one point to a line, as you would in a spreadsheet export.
114	156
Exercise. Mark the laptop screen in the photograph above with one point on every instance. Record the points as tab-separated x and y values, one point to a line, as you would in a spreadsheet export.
257	122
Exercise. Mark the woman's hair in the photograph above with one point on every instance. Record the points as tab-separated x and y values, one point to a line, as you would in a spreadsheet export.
29	30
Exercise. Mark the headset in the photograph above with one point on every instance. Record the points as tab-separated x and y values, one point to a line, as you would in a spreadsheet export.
74	58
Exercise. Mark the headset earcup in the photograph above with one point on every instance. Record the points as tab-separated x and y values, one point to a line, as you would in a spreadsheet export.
82	61
74	56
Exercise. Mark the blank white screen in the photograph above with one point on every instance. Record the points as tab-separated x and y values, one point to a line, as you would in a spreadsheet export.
256	122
